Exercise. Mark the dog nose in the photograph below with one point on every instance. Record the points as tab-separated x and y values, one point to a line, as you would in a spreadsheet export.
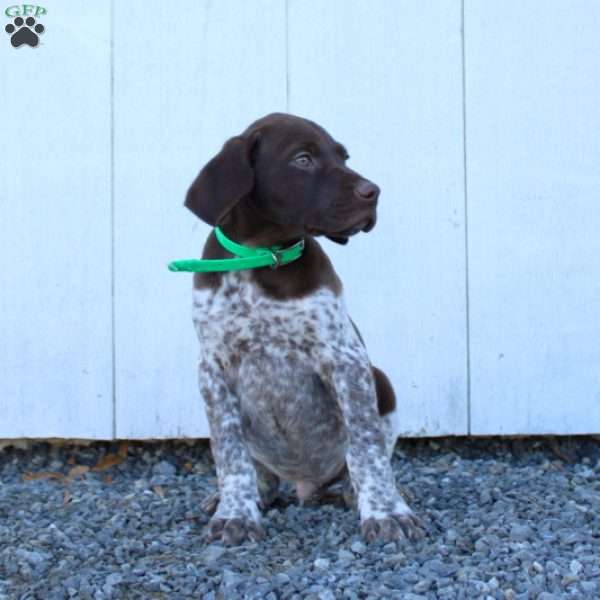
367	191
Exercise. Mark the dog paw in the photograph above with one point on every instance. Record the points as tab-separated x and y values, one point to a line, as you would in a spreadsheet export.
234	531
393	527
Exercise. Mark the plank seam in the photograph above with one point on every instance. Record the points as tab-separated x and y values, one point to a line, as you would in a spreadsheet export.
466	216
112	221
287	57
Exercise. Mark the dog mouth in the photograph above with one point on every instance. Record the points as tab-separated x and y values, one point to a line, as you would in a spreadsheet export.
365	225
370	223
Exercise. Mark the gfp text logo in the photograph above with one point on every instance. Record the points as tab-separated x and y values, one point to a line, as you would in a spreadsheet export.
24	30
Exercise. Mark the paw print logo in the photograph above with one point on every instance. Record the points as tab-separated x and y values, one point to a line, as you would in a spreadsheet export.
24	32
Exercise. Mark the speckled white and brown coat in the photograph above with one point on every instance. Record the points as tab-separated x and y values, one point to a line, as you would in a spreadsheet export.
289	389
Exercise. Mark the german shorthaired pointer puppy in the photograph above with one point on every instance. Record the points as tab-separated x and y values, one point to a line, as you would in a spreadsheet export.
289	389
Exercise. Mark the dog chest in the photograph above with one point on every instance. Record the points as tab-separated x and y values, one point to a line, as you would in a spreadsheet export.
237	318
267	350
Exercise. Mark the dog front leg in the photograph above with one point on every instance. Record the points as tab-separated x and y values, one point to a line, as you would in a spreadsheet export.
237	516
383	512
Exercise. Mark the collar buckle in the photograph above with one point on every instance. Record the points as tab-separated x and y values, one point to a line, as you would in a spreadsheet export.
275	255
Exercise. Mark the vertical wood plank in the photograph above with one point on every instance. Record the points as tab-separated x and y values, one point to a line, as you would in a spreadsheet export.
183	84
384	78
55	264
534	187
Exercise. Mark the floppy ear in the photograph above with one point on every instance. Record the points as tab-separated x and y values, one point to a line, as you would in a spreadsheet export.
223	181
337	239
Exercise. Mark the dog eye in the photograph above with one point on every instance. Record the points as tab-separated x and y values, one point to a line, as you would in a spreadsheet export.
303	160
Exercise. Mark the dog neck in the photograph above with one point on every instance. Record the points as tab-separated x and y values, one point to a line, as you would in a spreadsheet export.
244	225
313	270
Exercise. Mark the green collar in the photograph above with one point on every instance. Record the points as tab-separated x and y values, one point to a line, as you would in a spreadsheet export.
245	257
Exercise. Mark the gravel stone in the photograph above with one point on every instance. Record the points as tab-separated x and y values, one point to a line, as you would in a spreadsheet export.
32	557
575	567
505	520
213	553
589	587
422	586
358	548
520	532
164	468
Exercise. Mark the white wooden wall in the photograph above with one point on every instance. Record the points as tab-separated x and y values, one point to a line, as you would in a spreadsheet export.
479	290
533	172
55	228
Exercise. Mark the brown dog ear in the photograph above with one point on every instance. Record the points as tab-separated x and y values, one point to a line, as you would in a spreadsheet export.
223	181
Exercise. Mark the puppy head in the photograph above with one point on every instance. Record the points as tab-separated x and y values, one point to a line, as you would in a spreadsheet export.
292	173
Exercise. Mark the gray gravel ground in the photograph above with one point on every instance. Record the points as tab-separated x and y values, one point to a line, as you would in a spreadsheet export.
506	519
